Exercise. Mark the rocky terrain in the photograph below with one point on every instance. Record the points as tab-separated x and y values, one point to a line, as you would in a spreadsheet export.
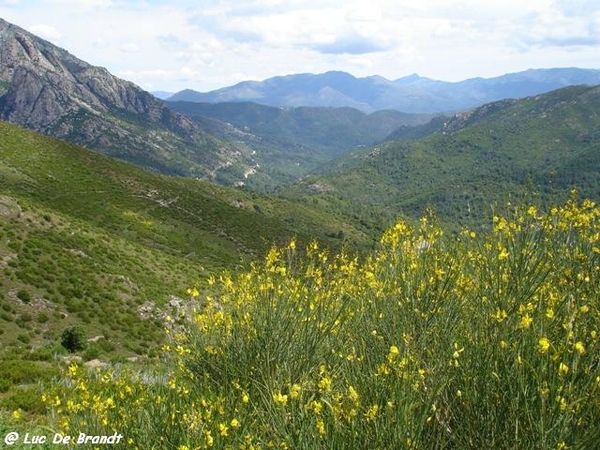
45	88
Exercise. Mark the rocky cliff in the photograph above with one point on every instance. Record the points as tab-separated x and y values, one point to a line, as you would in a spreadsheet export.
45	88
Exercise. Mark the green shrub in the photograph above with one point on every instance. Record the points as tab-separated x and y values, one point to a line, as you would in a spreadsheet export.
5	385
26	399
22	371
91	352
24	338
74	339
42	318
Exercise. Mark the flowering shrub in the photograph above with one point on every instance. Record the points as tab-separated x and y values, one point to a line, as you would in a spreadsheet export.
481	340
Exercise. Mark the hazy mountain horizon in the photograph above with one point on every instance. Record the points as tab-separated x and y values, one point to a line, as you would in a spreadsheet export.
411	93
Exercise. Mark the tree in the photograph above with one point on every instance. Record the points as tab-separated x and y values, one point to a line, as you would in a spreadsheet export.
74	339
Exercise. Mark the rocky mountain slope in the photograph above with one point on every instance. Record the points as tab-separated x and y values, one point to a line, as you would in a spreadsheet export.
411	94
45	88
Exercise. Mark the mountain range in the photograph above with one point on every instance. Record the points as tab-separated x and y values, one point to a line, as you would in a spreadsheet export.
411	94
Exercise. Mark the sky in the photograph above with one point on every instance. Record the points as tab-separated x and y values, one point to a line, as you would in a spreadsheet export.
172	45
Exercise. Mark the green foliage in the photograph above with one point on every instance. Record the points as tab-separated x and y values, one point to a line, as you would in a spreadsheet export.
481	340
543	145
95	241
24	296
24	372
74	339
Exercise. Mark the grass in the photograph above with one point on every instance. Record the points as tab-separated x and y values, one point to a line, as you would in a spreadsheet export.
486	340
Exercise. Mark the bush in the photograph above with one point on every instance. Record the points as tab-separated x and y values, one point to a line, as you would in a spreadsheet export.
24	296
74	339
92	352
26	399
5	385
22	372
42	318
24	338
475	341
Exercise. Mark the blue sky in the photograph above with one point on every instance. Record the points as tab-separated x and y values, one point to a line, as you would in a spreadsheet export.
203	45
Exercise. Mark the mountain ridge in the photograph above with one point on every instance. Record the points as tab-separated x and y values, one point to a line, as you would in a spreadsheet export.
410	94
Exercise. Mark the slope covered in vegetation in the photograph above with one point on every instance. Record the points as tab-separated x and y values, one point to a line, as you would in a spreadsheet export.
429	342
89	242
545	144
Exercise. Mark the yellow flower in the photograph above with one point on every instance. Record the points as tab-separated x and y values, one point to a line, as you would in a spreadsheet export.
208	438
325	384
543	345
563	369
579	347
353	394
223	429
280	398
500	315
234	423
321	427
562	402
371	413
73	370
16	414
193	292
526	321
503	254
316	406
295	391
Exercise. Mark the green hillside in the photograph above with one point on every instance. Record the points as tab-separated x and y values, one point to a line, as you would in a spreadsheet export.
89	241
541	146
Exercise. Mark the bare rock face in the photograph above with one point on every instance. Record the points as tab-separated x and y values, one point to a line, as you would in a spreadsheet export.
45	88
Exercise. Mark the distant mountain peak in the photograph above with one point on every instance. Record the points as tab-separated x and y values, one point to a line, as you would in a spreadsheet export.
411	94
409	78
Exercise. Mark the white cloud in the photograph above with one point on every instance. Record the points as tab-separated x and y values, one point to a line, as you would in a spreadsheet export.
203	45
129	47
45	31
